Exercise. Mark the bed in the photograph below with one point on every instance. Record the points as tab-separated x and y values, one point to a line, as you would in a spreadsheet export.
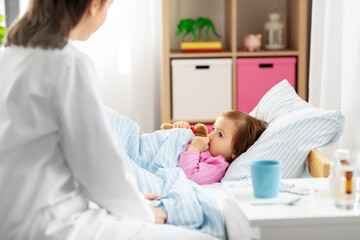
295	131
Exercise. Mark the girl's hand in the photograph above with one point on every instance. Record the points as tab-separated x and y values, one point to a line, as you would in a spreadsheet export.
199	144
181	124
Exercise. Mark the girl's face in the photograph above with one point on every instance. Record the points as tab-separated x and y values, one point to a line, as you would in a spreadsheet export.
221	138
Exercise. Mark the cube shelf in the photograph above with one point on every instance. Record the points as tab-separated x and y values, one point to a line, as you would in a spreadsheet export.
233	19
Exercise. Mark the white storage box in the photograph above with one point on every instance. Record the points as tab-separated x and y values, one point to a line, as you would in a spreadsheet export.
201	88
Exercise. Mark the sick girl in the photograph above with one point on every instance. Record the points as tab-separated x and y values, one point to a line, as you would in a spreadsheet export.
206	158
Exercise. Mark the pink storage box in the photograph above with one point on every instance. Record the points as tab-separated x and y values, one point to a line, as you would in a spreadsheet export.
255	76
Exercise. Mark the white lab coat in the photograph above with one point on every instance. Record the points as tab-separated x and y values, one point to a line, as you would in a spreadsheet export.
57	152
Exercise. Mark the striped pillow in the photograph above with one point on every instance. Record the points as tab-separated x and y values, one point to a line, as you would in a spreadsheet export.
294	128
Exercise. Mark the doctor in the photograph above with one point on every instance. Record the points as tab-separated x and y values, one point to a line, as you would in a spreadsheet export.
57	152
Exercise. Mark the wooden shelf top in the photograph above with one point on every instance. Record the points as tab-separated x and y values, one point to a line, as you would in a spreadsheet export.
262	53
286	52
179	54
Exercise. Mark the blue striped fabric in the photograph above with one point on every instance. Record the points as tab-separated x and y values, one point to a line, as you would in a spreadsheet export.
152	160
294	128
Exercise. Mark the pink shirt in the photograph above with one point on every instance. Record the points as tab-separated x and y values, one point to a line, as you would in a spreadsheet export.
202	168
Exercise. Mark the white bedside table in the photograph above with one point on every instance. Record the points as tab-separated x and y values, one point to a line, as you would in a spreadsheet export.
313	217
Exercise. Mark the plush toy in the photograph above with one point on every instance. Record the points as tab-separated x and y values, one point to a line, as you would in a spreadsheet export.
199	129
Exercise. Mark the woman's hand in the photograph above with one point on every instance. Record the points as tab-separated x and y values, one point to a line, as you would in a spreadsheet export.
199	144
160	216
151	196
181	124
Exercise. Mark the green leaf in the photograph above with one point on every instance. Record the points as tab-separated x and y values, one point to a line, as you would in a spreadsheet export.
2	31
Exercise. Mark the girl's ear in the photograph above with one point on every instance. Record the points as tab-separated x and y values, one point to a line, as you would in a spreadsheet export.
233	156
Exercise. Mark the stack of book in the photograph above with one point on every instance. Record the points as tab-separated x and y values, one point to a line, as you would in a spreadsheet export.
208	46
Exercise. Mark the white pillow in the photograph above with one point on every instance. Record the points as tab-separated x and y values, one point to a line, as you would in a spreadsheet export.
294	128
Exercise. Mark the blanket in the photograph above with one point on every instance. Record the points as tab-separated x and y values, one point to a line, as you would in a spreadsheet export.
152	159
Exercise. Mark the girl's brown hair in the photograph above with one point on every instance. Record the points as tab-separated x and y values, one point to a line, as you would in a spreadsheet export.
247	130
47	23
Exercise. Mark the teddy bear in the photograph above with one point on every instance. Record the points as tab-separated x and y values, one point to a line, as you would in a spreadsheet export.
199	129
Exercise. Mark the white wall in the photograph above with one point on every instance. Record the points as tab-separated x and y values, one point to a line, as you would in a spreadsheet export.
2	7
126	54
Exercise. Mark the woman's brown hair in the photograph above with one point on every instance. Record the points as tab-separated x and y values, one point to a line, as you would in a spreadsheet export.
47	23
247	130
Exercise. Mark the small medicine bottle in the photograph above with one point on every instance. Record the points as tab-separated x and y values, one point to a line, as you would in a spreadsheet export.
345	180
341	157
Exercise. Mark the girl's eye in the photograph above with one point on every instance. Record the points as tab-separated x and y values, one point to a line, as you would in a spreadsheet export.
220	135
213	130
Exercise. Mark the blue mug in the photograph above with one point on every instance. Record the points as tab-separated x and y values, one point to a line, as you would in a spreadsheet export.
265	176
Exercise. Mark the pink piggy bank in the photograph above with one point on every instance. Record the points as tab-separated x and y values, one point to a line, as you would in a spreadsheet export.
252	42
